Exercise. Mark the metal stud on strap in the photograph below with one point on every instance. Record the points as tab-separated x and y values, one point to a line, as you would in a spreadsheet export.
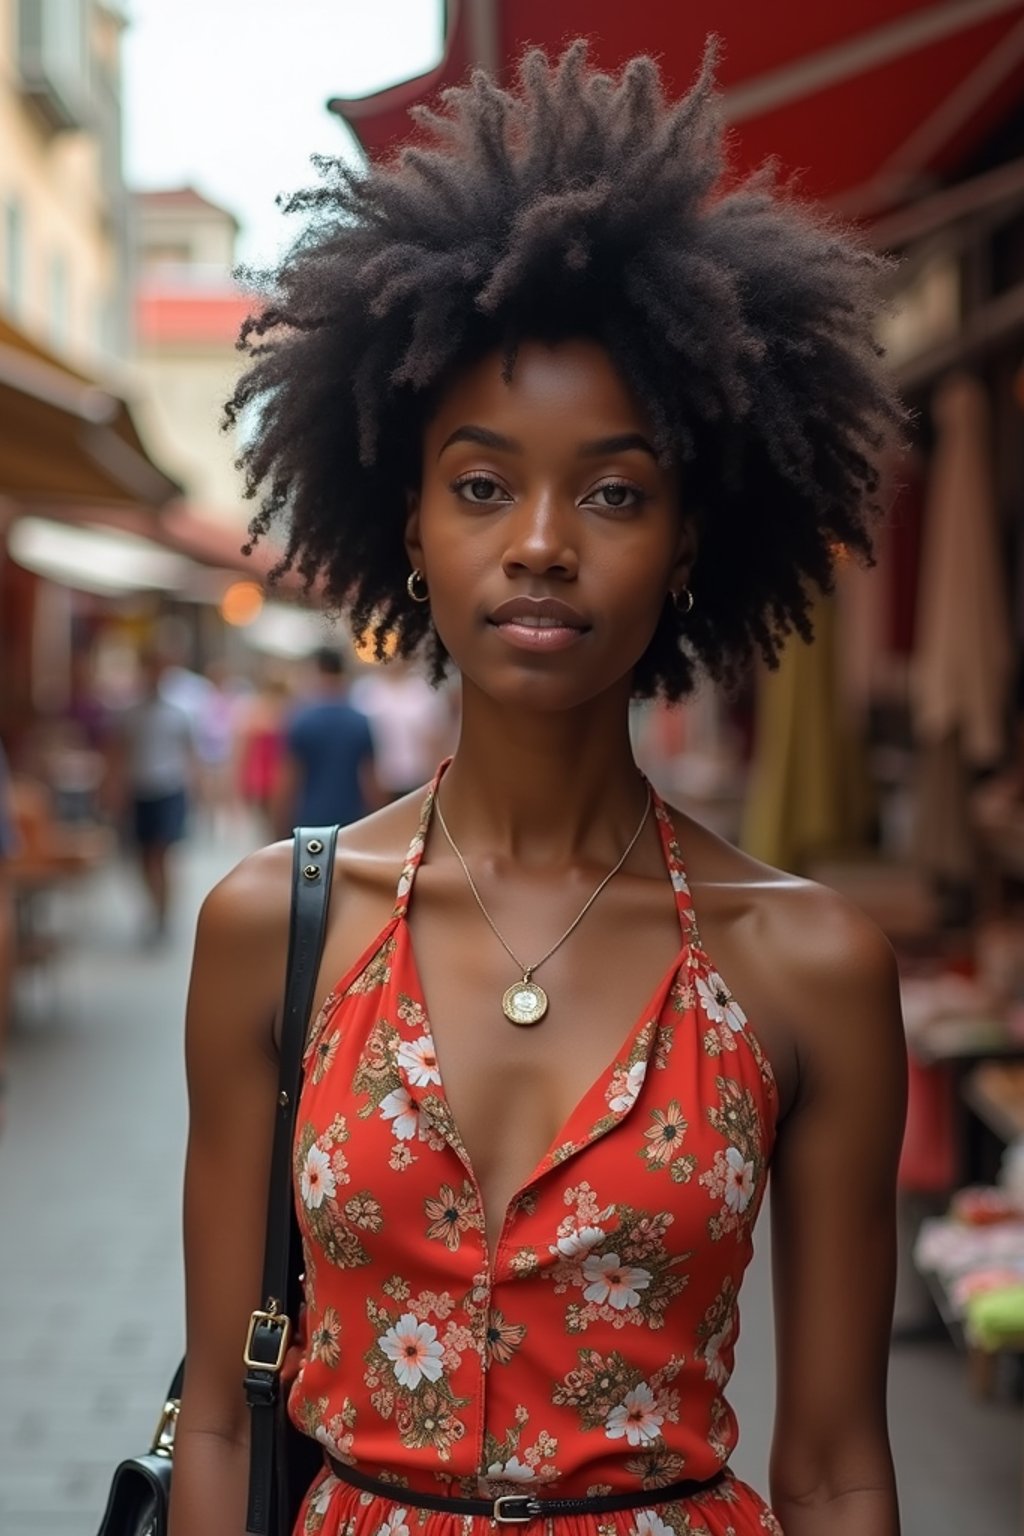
315	845
311	872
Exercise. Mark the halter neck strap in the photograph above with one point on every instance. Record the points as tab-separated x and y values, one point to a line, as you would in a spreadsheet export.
662	820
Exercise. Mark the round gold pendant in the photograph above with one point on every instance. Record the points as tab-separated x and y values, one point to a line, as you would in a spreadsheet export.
525	1003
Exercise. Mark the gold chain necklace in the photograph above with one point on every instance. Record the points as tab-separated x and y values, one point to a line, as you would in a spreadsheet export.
525	1002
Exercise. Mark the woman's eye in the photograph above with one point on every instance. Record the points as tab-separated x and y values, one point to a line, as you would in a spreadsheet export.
480	489
617	497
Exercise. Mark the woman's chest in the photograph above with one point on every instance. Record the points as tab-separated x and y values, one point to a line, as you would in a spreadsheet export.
673	1125
513	1088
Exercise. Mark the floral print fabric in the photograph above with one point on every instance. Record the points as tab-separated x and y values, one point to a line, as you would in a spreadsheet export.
591	1353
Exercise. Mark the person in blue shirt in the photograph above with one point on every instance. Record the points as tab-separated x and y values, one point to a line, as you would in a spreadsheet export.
327	773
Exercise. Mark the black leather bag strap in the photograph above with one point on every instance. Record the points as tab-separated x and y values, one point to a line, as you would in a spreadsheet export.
270	1327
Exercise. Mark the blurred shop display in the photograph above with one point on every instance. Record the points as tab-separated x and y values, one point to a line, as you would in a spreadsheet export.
71	451
121	519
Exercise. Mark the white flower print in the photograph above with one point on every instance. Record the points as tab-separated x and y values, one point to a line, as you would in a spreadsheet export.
405	880
395	1524
514	1470
318	1182
418	1060
679	882
414	1350
634	1082
617	1284
650	1524
739	1181
714	1366
324	1437
718	1002
322	1498
636	1417
404	1113
577	1243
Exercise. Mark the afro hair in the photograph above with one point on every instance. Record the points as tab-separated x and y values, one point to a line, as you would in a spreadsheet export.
578	204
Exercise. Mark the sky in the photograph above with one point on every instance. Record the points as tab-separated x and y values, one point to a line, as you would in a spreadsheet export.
228	95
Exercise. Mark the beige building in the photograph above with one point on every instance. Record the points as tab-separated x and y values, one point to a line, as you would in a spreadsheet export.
69	449
62	202
188	311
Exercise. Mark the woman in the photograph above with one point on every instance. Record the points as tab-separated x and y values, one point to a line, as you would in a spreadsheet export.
542	401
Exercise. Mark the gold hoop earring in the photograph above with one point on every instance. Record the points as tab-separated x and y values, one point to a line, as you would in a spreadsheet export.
421	595
683	602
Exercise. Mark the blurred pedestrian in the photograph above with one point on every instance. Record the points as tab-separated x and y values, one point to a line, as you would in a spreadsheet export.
7	841
259	746
153	773
217	718
410	721
327	772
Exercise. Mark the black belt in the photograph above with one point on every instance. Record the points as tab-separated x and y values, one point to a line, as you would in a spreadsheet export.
518	1508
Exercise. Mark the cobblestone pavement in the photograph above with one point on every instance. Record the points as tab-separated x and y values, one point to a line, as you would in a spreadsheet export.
90	1190
90	1267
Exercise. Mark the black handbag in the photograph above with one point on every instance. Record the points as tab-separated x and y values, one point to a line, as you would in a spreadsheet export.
282	1462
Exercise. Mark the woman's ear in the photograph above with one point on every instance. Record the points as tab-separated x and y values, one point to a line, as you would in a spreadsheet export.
413	547
686	553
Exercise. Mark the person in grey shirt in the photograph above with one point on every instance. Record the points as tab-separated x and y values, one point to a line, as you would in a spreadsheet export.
155	770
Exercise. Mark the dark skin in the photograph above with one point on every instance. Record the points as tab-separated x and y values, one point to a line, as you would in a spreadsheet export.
542	797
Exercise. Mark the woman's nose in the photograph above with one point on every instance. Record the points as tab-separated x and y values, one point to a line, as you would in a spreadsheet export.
541	538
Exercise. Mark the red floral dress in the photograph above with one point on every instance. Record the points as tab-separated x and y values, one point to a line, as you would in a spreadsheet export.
592	1354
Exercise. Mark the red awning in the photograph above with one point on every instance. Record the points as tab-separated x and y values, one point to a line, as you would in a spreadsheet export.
867	100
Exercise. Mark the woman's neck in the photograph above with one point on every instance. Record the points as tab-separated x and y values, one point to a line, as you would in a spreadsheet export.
542	788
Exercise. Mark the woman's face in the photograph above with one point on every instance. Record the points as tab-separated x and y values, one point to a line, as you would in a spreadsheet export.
548	532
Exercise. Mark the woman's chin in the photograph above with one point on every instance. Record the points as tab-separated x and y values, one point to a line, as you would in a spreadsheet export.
543	691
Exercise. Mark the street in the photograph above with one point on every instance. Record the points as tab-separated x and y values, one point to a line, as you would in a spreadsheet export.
90	1279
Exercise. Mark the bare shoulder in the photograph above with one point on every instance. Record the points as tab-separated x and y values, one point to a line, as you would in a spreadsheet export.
252	900
823	941
242	936
241	951
376	846
813	964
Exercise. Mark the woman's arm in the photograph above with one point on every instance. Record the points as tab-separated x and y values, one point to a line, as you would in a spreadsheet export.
834	1231
237	982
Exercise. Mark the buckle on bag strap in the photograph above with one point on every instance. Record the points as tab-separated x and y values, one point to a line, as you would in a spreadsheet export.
263	1326
163	1436
515	1509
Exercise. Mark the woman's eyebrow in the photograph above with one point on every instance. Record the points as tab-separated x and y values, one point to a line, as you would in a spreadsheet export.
483	437
623	442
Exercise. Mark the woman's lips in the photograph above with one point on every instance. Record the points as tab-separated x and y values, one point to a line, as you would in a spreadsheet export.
538	635
538	624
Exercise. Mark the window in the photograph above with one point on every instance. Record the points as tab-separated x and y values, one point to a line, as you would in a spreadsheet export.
59	300
53	59
13	257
